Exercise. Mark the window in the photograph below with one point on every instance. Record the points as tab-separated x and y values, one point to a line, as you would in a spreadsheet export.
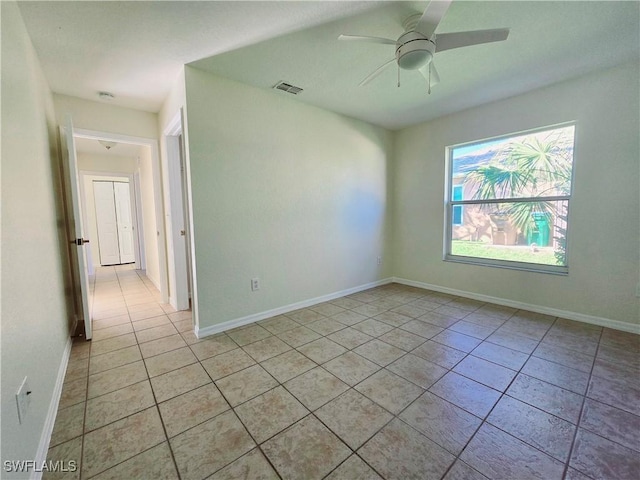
508	200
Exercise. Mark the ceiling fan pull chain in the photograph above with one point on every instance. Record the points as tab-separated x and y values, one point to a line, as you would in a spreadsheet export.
398	76
429	82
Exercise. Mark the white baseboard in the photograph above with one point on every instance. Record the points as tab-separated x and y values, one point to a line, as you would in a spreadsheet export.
47	430
239	322
580	317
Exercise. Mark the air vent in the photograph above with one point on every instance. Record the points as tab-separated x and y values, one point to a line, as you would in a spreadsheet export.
286	87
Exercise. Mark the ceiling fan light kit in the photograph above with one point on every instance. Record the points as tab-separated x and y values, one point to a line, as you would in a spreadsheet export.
414	51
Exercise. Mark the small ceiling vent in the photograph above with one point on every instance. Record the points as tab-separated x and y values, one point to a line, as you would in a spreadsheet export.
286	87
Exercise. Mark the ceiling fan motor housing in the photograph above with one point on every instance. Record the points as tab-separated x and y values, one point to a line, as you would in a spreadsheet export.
414	50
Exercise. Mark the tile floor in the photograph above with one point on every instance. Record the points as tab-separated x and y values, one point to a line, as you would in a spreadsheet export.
393	382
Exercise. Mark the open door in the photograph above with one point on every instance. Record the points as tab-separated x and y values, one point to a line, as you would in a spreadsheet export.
80	253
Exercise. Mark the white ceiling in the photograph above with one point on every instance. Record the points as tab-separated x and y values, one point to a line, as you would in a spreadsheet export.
136	49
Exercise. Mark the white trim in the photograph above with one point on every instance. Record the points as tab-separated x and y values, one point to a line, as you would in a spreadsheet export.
50	420
556	312
239	322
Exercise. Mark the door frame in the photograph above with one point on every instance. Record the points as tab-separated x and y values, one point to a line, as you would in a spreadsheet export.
178	251
157	192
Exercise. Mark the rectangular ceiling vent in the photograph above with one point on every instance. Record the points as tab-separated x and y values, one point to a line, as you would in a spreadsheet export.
286	87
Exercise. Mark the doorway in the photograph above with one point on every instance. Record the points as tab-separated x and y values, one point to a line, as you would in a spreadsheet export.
114	222
133	175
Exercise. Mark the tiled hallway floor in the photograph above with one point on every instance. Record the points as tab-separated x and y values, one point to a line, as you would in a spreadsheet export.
393	382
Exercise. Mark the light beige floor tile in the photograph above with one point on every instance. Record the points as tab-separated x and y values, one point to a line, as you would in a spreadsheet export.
294	452
305	316
328	309
208	447
462	471
246	384
322	350
118	404
389	390
379	352
270	413
79	350
210	347
353	417
487	373
298	336
111	332
181	315
184	325
497	454
373	327
252	466
279	324
154	333
73	392
155	463
400	452
266	348
116	378
325	326
351	368
407	341
245	336
125	438
349	338
76	369
110	322
69	453
143	314
117	358
192	408
444	423
179	381
112	344
68	424
316	387
287	365
354	469
151	322
417	370
227	363
349	317
162	345
166	362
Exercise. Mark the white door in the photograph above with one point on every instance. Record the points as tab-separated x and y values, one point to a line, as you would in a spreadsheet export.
122	198
107	223
79	241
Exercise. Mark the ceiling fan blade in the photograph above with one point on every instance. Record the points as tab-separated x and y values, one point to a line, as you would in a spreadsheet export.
432	16
376	73
360	38
448	41
430	74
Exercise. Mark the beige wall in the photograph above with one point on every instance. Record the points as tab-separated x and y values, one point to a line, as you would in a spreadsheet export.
148	219
104	117
604	231
35	314
289	193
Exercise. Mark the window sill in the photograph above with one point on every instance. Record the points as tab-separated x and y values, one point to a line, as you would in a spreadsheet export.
527	267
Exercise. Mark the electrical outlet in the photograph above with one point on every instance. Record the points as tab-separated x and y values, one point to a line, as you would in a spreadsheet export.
23	399
255	284
379	260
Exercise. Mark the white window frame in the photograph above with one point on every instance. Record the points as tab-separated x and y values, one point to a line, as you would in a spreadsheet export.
449	203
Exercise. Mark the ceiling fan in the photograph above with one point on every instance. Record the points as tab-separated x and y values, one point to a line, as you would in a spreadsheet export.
416	47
